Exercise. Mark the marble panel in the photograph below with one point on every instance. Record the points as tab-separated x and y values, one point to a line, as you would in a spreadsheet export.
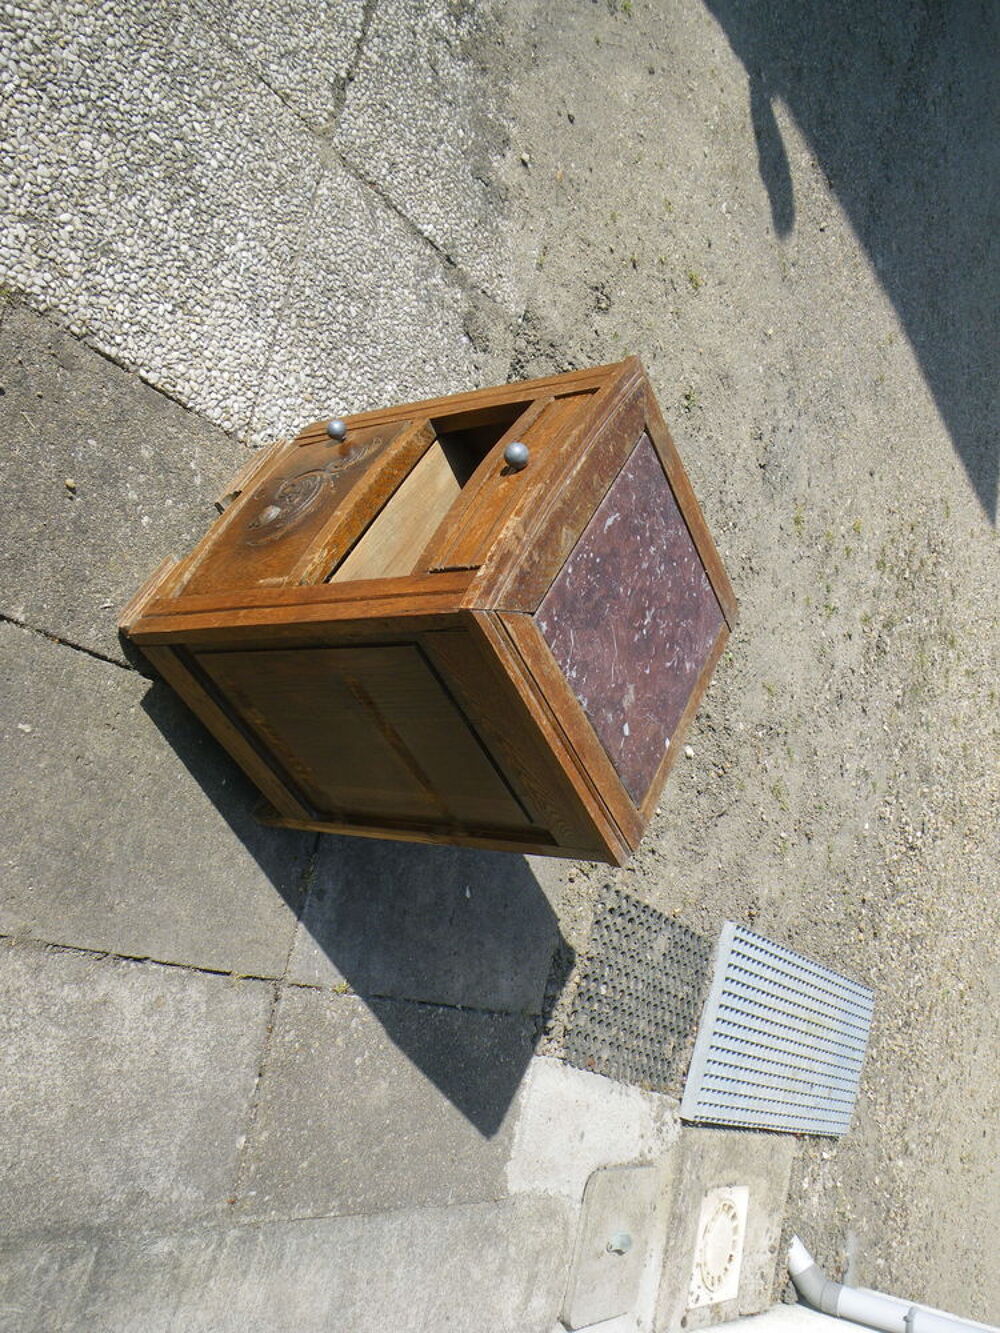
631	618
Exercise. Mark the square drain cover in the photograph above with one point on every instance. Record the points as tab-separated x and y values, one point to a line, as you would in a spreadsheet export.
718	1250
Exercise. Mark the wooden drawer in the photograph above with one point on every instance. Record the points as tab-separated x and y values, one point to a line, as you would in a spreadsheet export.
397	634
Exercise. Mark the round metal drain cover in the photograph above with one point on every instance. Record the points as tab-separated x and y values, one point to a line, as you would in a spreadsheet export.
718	1251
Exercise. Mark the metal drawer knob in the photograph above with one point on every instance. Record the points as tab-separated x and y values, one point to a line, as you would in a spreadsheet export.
517	455
337	429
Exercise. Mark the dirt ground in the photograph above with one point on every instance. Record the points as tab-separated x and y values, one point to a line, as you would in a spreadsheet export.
842	794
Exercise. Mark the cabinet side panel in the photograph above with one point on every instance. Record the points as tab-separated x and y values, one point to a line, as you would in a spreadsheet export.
367	732
632	618
597	776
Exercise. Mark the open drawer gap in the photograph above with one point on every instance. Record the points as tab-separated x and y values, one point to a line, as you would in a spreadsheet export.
390	546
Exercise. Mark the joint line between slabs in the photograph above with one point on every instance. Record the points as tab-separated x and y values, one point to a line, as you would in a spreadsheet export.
452	264
49	309
15	940
19	941
351	72
64	643
371	184
249	66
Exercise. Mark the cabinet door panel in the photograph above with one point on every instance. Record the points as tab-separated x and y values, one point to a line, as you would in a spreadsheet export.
367	731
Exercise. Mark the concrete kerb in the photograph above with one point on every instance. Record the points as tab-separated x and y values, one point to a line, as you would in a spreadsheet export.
495	1265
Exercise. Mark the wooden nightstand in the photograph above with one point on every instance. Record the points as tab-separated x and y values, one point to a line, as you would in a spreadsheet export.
398	633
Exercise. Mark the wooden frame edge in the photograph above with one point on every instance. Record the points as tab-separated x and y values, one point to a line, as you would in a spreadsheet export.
691	512
135	608
453	404
655	789
621	823
266	814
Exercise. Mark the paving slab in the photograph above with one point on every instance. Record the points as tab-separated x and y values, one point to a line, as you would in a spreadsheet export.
373	316
126	828
104	478
367	1106
446	925
303	50
42	1279
571	1123
493	1265
706	1159
125	1089
426	120
154	191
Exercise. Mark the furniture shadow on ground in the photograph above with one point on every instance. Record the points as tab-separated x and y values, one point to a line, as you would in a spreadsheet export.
456	952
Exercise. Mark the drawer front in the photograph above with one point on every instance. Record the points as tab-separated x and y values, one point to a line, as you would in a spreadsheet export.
306	511
550	428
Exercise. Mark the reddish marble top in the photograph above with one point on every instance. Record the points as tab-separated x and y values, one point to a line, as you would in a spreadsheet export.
631	618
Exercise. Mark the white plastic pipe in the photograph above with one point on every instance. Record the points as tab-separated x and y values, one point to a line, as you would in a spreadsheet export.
871	1308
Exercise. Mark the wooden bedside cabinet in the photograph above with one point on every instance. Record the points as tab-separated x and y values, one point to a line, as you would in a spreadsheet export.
399	633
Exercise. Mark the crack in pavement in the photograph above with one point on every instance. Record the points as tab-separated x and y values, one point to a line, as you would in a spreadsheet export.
19	941
6	619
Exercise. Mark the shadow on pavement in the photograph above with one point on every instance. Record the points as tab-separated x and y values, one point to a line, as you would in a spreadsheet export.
456	952
901	106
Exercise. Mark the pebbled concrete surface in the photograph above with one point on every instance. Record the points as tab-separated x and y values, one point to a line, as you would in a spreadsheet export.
152	196
371	303
446	65
305	54
174	188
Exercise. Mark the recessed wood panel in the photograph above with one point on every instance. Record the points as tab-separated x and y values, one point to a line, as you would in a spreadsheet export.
631	618
366	731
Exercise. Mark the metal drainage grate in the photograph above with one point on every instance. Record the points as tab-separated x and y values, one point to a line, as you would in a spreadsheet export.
641	988
781	1042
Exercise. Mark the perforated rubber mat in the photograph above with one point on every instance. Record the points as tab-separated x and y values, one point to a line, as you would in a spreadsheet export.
639	996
